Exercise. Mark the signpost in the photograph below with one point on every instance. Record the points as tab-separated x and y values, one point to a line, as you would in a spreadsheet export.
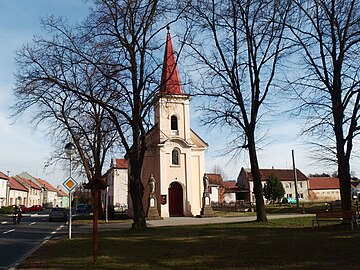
70	184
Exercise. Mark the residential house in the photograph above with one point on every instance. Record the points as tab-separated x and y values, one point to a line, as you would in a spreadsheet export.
230	191
117	179
49	193
35	180
34	195
324	189
216	189
3	188
17	193
286	176
62	198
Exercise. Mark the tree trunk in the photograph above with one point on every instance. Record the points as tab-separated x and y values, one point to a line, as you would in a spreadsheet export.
259	198
343	160
136	191
345	186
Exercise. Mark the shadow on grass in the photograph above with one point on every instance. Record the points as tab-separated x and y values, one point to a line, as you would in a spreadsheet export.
286	244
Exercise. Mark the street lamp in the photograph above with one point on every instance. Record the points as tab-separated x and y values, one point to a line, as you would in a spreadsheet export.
70	151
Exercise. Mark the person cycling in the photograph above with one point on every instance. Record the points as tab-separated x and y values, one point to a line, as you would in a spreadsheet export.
17	214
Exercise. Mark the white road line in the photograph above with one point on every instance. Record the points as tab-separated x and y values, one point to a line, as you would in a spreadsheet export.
32	223
9	231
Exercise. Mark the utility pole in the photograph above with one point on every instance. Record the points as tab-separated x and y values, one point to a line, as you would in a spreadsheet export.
295	177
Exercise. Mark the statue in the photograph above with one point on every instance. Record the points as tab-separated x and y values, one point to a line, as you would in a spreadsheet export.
152	183
206	183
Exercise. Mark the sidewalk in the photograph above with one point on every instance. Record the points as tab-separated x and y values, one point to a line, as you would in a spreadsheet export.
180	221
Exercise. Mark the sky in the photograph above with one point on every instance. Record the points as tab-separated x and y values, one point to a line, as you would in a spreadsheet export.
22	148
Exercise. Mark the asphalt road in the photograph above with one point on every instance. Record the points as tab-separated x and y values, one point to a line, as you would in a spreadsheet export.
18	241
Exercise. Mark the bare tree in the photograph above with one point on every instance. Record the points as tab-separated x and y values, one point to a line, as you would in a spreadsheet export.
118	43
328	34
237	46
62	112
219	170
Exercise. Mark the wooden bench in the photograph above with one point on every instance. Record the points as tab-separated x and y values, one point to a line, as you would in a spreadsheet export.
345	216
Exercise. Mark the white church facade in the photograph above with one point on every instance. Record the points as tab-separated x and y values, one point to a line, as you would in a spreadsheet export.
175	155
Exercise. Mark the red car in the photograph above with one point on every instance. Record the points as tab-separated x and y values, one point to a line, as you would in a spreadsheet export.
34	208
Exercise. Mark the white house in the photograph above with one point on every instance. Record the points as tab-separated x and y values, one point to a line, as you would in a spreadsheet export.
17	193
3	189
175	153
216	189
49	193
286	176
117	179
34	195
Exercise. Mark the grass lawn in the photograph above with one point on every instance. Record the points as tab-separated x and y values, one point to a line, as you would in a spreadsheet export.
278	244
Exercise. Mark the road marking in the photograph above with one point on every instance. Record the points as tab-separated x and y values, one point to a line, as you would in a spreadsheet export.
47	237
32	223
9	231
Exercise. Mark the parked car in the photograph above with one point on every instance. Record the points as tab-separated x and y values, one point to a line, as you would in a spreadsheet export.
120	208
291	200
81	208
34	208
58	213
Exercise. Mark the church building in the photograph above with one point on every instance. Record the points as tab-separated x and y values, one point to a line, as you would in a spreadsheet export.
175	156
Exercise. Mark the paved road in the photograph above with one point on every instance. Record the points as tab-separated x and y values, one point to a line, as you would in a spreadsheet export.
20	240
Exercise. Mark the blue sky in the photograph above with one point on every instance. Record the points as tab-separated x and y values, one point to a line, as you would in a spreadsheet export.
26	149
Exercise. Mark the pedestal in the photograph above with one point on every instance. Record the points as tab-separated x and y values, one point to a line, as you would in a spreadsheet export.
206	210
153	212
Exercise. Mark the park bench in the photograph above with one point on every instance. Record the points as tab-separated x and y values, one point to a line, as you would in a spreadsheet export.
345	216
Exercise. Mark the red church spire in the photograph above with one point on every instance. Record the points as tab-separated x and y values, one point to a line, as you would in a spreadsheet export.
170	80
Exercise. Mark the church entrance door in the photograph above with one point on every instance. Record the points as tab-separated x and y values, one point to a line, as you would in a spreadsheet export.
176	200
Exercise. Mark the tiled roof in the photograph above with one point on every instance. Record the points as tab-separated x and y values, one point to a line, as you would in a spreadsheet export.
3	175
324	183
229	184
170	79
29	182
282	174
46	185
215	179
61	193
121	163
14	184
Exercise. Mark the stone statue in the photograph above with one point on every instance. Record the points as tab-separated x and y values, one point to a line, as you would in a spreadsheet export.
206	183
152	183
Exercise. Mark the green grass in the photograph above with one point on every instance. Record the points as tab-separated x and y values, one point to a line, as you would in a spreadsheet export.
277	244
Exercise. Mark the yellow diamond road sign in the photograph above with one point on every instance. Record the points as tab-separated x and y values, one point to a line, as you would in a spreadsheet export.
70	184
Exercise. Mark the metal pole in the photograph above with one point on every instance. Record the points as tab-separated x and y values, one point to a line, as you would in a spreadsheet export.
295	176
70	199
106	205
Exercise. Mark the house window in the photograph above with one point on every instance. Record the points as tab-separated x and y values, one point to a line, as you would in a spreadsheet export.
174	125
175	157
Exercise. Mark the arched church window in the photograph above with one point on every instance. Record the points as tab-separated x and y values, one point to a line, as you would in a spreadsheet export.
175	157
174	124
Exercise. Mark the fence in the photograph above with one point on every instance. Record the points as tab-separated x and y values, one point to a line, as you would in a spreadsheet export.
238	206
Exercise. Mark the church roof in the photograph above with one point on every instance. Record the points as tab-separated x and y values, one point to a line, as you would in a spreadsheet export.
170	79
197	140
